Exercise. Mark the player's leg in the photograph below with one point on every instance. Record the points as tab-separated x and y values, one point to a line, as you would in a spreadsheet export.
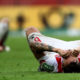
2	41
3	33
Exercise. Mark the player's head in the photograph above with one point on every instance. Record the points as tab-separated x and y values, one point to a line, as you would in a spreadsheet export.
31	30
73	67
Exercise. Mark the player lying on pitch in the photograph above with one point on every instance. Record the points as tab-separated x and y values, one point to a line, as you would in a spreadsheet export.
53	54
4	23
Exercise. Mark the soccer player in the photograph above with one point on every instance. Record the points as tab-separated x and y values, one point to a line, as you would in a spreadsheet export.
4	29
53	54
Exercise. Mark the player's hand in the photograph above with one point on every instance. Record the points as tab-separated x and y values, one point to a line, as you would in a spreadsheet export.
65	53
75	53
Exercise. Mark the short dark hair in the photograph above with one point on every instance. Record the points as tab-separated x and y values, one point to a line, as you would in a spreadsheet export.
73	67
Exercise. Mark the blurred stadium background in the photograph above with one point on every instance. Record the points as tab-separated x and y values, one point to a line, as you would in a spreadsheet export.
56	15
55	18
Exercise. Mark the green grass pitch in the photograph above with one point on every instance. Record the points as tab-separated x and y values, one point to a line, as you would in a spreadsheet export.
20	64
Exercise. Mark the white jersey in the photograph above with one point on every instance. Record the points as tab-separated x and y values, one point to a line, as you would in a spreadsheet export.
52	58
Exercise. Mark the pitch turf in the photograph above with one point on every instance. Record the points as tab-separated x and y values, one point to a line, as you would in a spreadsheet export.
20	64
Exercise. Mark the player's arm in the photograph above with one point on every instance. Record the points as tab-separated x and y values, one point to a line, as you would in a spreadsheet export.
44	47
76	52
